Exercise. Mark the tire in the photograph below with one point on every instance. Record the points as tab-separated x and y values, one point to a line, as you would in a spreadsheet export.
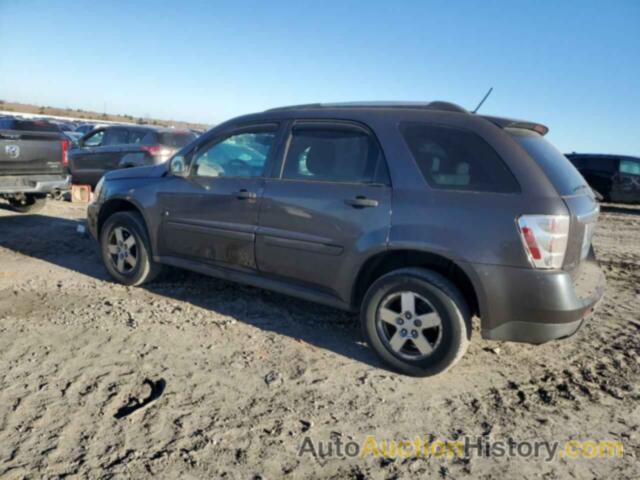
134	256
437	302
29	204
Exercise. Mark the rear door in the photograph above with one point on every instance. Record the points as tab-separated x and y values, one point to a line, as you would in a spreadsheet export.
85	161
599	173
113	148
328	205
211	216
627	181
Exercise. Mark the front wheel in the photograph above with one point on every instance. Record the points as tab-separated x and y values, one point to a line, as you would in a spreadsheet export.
416	321
124	245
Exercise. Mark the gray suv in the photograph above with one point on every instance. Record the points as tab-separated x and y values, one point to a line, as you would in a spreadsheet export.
417	216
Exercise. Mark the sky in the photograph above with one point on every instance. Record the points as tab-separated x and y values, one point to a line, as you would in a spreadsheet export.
572	65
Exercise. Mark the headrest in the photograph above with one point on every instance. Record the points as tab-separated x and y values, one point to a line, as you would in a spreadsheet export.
321	158
462	168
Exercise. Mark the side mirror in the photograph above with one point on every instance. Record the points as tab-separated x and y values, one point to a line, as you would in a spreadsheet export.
178	166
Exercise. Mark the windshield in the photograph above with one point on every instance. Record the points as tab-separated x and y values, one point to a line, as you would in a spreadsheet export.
566	179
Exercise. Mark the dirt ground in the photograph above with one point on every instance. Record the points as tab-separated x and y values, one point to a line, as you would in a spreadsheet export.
249	374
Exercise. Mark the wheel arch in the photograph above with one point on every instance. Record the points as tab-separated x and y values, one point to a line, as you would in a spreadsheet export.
384	262
116	205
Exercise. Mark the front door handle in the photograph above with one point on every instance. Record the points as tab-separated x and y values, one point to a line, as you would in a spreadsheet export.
245	194
362	202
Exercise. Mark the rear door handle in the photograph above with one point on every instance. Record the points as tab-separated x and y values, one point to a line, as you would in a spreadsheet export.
245	194
362	202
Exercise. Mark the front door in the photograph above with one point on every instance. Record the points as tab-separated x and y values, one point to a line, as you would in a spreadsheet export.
211	215
329	206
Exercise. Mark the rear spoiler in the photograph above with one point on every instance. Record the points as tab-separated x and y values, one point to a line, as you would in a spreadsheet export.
511	123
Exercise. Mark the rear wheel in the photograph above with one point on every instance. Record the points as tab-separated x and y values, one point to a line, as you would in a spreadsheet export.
27	204
416	321
125	249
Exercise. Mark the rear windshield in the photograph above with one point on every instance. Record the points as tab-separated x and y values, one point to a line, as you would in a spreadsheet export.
176	139
561	173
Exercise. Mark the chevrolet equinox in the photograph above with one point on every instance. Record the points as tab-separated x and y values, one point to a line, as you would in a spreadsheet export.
416	215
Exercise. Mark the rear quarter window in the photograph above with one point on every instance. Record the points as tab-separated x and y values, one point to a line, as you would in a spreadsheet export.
456	159
562	174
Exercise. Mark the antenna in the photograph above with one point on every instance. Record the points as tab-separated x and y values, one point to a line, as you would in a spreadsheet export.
483	99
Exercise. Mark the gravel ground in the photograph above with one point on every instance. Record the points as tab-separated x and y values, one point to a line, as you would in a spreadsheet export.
249	374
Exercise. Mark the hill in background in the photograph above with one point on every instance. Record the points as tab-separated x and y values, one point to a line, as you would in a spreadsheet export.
95	116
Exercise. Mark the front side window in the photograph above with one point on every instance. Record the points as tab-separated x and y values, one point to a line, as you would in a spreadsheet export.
333	154
629	167
94	140
240	155
455	159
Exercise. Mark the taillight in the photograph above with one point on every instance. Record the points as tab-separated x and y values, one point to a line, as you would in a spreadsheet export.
64	148
545	239
151	149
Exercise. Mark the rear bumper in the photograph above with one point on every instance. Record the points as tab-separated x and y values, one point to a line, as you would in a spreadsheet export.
34	183
533	306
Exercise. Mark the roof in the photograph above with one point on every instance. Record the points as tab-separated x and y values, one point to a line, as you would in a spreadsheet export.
434	106
155	128
600	155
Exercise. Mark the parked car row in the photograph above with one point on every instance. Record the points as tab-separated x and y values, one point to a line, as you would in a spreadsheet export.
118	146
417	216
39	157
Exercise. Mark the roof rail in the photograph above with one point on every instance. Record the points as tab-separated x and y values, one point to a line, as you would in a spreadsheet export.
436	105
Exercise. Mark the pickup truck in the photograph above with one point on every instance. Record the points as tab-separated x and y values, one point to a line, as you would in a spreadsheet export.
33	162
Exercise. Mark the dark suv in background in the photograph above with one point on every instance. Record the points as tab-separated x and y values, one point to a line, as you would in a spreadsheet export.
418	216
615	177
109	148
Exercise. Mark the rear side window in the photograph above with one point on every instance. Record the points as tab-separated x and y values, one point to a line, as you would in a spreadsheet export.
116	136
629	167
455	159
136	136
597	164
177	139
559	170
339	154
